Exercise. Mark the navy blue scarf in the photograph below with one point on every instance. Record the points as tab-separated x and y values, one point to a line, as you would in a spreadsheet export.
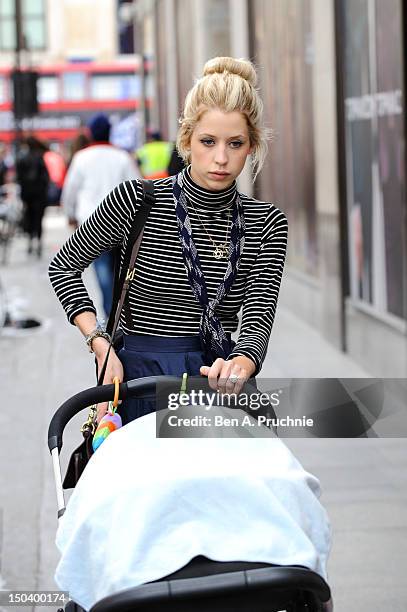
215	342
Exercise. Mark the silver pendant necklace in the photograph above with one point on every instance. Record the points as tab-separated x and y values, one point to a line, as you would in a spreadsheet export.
221	250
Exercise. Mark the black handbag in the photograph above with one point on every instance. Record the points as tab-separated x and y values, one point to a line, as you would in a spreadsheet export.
123	277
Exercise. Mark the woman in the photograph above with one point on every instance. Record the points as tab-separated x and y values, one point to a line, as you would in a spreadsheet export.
207	250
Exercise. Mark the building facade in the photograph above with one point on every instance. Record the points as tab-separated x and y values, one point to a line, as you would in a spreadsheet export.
332	77
67	30
372	120
84	53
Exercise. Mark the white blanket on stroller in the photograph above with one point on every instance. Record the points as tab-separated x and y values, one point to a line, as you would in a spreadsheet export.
145	507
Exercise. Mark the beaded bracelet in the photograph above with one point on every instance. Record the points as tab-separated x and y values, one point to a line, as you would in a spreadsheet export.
98	332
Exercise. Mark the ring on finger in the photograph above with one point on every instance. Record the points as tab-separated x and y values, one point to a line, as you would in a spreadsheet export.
234	378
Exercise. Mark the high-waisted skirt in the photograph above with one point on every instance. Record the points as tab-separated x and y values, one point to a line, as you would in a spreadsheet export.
156	356
163	356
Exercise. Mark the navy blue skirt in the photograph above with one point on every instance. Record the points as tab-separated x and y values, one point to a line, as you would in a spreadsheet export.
156	356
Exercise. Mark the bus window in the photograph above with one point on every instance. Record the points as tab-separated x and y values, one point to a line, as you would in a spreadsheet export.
74	86
3	92
48	89
114	86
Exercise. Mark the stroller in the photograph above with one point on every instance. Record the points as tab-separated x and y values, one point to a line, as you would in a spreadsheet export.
202	584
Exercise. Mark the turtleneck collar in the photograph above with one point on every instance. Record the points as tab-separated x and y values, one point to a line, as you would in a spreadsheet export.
207	199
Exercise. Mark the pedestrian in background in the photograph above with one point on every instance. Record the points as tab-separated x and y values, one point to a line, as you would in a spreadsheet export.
94	171
3	164
33	178
154	157
56	167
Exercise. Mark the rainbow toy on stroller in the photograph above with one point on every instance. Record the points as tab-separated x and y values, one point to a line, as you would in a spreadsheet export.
174	529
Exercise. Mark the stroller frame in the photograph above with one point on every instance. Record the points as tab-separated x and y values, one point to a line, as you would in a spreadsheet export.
266	588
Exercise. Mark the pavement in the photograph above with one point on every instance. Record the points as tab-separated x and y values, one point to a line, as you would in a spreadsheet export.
364	481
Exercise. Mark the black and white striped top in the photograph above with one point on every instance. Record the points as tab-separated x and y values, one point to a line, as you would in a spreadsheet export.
160	298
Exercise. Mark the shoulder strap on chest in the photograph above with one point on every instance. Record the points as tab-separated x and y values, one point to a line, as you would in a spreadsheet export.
133	244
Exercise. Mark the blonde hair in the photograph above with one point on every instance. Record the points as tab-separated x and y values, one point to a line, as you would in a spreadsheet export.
227	84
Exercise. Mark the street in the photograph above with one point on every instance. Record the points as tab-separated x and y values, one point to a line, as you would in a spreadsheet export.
364	481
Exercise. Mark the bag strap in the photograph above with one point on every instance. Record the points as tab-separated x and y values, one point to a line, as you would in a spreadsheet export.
125	277
137	227
120	271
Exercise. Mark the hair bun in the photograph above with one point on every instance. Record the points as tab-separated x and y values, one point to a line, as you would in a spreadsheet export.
241	67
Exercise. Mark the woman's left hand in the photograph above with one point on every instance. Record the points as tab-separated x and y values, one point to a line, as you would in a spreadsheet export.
229	376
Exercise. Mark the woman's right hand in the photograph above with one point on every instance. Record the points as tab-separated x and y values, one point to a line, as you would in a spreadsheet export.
114	368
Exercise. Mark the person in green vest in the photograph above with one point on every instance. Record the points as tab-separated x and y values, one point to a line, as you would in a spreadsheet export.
154	157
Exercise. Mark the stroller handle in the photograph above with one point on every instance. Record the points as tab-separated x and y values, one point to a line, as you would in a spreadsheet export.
94	395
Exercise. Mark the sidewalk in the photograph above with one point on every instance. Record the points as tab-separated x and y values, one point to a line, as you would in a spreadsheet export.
364	481
298	350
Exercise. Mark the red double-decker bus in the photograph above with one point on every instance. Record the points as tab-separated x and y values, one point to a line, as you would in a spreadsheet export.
69	94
